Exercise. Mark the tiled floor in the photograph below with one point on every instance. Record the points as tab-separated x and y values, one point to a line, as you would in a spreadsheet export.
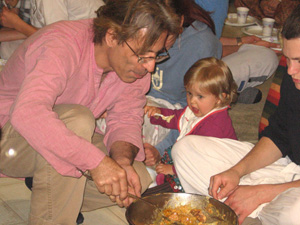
15	203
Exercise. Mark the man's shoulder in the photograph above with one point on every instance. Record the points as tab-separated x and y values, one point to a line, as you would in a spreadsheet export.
79	29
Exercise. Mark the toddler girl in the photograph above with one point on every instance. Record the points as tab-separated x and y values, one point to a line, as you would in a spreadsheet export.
210	89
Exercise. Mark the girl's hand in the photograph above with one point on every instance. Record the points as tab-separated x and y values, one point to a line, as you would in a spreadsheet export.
151	110
164	169
152	156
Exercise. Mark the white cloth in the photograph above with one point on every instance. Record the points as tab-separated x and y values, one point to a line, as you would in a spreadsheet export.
251	65
197	158
189	120
284	209
7	48
44	12
2	62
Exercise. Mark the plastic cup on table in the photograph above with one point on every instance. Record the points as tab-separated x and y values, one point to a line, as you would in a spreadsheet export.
242	13
268	24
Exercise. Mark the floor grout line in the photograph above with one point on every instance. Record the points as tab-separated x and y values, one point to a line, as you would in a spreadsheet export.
15	214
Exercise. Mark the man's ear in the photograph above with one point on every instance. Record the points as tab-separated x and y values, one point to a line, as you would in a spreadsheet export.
110	38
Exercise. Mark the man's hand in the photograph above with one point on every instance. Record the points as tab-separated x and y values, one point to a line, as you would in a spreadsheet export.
134	187
223	184
245	199
124	154
152	155
110	178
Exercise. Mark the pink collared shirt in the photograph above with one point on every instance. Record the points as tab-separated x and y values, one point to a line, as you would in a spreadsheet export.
57	66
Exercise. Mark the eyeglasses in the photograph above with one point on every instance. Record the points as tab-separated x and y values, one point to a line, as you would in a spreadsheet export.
159	58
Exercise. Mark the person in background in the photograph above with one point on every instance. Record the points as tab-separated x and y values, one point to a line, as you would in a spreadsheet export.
9	37
196	41
245	78
54	87
210	89
277	9
261	181
250	64
20	7
218	12
45	12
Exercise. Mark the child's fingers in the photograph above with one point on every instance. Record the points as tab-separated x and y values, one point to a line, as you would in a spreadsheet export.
159	168
149	110
146	109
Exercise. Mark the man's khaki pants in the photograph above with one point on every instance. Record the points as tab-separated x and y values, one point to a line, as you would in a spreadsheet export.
57	199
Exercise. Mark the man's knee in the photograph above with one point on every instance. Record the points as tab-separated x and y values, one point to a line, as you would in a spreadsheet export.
187	144
290	215
77	118
284	209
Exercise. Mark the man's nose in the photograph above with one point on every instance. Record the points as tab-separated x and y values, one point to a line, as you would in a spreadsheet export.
293	68
149	66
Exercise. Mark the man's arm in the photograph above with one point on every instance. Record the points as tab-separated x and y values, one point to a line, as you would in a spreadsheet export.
245	199
231	45
124	154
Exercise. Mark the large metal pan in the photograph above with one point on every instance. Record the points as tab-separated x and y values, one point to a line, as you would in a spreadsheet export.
141	213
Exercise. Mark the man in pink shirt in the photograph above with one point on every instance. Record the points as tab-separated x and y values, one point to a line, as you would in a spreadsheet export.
54	87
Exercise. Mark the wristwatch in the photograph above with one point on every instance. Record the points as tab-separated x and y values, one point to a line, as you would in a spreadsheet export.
239	41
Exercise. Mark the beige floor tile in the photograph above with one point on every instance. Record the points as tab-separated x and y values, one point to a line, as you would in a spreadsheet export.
16	195
8	216
103	217
23	223
21	207
15	204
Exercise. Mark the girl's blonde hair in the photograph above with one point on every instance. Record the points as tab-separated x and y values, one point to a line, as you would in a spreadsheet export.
213	76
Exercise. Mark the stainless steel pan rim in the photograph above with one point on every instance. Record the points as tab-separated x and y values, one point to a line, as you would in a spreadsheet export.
139	213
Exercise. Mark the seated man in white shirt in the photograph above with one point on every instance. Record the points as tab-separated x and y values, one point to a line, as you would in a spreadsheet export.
42	13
